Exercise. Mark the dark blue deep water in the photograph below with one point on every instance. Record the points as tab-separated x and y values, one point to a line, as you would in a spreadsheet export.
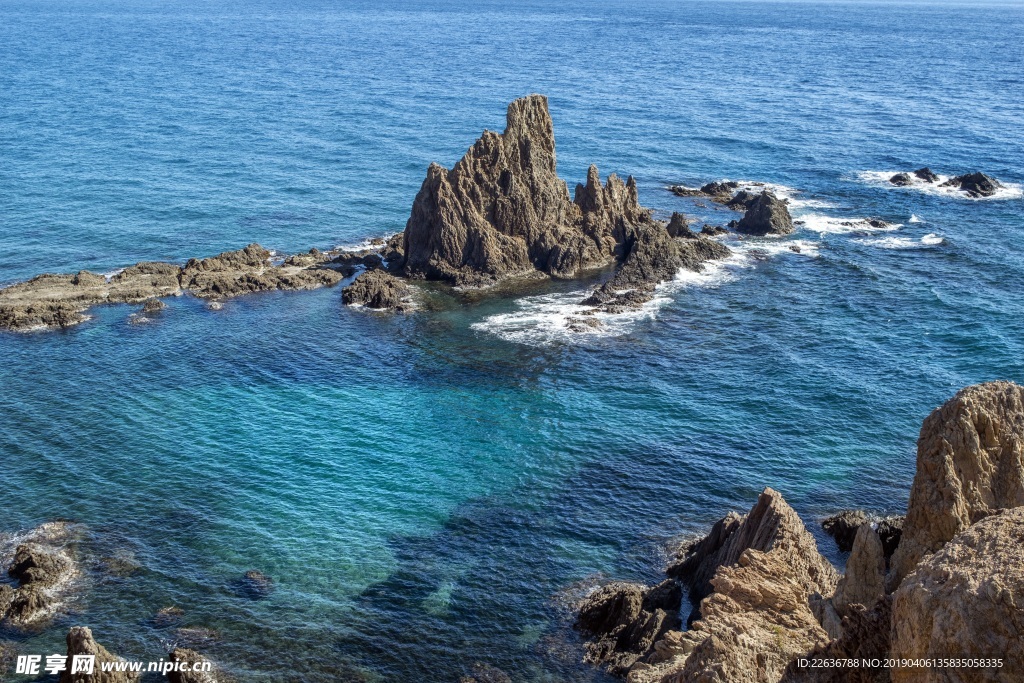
426	490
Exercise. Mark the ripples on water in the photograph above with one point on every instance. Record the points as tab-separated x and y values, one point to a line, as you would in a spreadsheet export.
424	488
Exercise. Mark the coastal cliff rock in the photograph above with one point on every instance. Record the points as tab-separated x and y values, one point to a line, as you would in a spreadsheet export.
865	636
770	524
503	211
81	642
843	527
864	581
756	575
970	463
44	567
766	215
377	289
974	184
966	600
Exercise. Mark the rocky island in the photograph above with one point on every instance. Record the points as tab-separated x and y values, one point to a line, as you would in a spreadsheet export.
500	213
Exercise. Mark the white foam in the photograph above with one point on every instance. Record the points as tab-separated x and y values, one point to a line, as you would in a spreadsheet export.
829	224
881	179
894	242
368	243
110	274
548	318
914	218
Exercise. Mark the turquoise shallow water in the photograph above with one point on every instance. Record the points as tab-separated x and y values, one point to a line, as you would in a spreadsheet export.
424	489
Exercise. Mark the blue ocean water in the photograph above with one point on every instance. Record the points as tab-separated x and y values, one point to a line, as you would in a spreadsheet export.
427	491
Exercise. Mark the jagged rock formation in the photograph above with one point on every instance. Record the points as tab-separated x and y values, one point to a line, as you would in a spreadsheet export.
652	256
970	463
966	600
192	662
766	215
678	226
761	570
44	567
81	642
901	180
60	300
624	620
864	581
865	636
502	210
377	289
974	184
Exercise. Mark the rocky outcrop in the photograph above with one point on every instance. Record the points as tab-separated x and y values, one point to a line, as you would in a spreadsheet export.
974	184
249	270
766	215
652	256
865	636
755	575
843	527
191	667
864	581
901	180
970	463
966	600
378	289
81	642
926	175
43	567
56	301
770	523
503	211
678	226
624	620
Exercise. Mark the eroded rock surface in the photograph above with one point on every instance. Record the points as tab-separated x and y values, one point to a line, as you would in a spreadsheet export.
43	567
755	573
966	600
864	581
502	210
970	463
974	184
766	215
81	642
378	289
61	300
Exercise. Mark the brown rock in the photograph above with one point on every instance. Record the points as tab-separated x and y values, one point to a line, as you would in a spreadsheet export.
81	642
865	637
44	567
864	581
970	463
377	289
678	226
503	211
766	215
966	600
770	523
249	270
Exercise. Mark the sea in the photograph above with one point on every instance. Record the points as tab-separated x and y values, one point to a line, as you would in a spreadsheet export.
434	490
